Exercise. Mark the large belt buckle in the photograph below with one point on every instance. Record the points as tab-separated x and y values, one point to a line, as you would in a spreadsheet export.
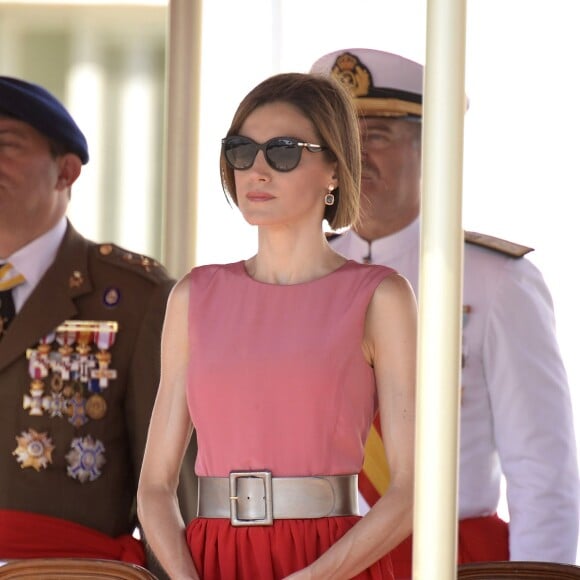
266	477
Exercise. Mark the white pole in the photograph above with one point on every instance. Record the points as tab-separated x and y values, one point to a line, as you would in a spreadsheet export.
440	293
181	135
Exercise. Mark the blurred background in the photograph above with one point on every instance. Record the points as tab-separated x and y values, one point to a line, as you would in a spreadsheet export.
106	60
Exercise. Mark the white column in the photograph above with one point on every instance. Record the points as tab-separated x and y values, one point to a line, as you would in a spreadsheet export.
9	44
440	293
182	135
136	204
85	97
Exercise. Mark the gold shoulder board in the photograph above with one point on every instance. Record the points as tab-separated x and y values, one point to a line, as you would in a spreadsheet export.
497	244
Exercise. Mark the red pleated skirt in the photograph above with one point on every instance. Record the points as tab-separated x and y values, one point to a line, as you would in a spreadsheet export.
484	539
224	552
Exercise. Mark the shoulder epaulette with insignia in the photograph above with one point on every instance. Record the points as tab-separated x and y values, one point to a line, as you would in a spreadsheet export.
148	267
497	244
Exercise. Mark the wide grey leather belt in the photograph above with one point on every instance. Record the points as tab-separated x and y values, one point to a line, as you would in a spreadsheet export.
255	498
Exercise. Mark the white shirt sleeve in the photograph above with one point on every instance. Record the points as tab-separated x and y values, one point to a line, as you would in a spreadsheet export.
532	416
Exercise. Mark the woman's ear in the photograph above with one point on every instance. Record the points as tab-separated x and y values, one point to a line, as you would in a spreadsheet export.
335	174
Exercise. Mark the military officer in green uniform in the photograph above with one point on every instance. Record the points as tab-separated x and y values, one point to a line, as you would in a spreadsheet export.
80	327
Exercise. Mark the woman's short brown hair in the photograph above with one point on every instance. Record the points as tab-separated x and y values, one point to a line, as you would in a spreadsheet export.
328	106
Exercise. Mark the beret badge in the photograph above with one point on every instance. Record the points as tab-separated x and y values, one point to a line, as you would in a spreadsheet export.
353	74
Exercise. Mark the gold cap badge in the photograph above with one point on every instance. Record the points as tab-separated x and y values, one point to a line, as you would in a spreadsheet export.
353	74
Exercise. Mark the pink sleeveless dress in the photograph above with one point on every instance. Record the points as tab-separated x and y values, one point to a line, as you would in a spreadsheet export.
278	381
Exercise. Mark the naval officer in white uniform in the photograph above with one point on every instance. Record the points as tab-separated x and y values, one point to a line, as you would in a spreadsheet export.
516	414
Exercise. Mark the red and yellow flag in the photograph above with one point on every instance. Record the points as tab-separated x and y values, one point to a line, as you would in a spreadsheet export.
374	478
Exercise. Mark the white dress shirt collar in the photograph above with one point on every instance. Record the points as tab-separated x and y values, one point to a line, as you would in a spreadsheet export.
386	248
34	259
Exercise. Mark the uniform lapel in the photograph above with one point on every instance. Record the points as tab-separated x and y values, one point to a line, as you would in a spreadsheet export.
52	301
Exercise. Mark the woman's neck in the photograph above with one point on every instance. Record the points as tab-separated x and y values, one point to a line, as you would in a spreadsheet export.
292	260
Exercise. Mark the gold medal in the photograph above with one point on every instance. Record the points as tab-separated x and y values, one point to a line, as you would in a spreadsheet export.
96	407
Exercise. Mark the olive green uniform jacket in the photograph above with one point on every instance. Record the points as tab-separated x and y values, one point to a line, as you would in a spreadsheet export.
92	282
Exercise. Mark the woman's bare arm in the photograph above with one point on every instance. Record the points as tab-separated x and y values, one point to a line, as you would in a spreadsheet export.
169	434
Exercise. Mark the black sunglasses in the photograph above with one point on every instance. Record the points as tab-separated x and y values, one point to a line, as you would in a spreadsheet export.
281	153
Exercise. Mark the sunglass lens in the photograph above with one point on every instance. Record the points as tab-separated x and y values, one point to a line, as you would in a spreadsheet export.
240	152
283	154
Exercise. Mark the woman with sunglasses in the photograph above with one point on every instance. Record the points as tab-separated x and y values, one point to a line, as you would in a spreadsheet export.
280	363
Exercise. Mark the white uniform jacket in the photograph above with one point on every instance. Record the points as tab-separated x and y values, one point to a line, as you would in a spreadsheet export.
516	413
